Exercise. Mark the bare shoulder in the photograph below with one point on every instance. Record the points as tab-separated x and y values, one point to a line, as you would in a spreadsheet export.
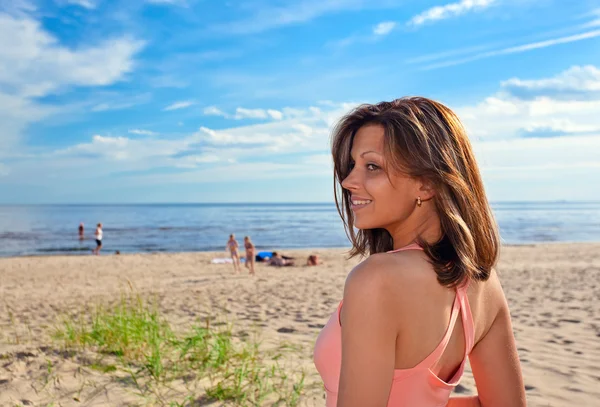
487	303
387	275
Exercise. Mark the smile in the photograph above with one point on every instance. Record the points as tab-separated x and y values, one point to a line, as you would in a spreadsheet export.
360	203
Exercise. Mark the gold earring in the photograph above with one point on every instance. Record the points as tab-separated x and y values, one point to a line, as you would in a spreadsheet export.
419	202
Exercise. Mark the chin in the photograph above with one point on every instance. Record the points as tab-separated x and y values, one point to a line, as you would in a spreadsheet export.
364	224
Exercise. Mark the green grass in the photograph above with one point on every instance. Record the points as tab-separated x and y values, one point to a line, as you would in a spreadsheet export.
209	360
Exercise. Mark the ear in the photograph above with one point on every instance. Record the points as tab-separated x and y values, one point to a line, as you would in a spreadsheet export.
426	189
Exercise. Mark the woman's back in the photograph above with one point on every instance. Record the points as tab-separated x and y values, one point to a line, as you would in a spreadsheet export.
436	328
430	306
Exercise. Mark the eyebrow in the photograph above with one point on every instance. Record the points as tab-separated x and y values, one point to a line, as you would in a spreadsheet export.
366	152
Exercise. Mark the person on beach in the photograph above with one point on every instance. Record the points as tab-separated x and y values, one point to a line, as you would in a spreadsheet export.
233	247
98	235
280	261
249	246
313	260
427	296
81	232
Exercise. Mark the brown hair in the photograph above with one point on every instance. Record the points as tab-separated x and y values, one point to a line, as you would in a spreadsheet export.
425	139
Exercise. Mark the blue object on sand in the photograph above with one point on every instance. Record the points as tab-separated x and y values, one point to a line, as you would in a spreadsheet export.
261	256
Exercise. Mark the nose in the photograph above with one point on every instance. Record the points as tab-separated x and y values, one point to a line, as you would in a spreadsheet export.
350	182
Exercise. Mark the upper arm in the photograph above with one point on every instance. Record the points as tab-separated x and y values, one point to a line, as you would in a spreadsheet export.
368	338
495	362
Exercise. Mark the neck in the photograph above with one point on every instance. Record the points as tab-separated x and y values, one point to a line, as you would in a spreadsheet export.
426	227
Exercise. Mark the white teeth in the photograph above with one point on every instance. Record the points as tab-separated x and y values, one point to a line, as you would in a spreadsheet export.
361	202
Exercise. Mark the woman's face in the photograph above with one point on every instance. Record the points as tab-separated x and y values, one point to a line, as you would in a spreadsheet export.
379	199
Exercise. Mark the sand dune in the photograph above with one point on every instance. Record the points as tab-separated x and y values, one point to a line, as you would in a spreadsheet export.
553	291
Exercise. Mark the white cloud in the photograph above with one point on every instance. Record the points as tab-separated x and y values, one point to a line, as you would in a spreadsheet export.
179	105
89	4
300	131
243	113
577	78
141	132
517	49
275	114
33	64
16	112
384	28
449	10
214	111
563	107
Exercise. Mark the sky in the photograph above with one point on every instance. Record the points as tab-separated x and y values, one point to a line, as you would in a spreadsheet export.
132	101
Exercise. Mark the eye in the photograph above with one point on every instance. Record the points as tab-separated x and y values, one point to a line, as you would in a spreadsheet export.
372	167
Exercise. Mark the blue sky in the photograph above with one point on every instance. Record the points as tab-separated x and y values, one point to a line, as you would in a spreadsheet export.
233	101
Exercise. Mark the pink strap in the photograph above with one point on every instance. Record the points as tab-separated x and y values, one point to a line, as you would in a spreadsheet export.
437	353
461	303
467	318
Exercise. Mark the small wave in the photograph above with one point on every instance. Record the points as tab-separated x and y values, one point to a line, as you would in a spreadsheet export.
18	235
64	249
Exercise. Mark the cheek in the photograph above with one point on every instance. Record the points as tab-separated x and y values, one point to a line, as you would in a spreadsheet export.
378	187
390	199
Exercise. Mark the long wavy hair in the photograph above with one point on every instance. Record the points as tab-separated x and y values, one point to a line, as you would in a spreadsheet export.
425	139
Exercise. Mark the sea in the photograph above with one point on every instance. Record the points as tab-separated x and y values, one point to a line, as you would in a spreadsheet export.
30	230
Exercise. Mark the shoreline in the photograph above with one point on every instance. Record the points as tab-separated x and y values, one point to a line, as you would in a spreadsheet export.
85	253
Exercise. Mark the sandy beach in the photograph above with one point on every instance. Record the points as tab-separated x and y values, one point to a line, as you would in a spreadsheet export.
553	291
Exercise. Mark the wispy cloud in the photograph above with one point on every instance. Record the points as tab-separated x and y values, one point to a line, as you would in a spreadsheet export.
243	113
117	102
89	4
376	33
295	12
167	2
167	81
384	28
179	105
449	10
517	49
17	7
141	132
214	111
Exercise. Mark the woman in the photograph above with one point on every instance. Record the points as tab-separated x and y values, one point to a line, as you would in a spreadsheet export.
233	246
427	296
249	246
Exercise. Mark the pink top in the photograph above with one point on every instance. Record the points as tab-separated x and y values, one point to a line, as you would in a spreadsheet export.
417	386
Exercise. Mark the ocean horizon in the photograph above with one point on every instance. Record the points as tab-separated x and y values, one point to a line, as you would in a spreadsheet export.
51	229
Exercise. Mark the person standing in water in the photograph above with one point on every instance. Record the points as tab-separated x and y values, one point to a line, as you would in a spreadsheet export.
233	246
98	235
249	254
81	231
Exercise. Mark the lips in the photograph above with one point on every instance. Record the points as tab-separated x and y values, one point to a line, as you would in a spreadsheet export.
359	202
